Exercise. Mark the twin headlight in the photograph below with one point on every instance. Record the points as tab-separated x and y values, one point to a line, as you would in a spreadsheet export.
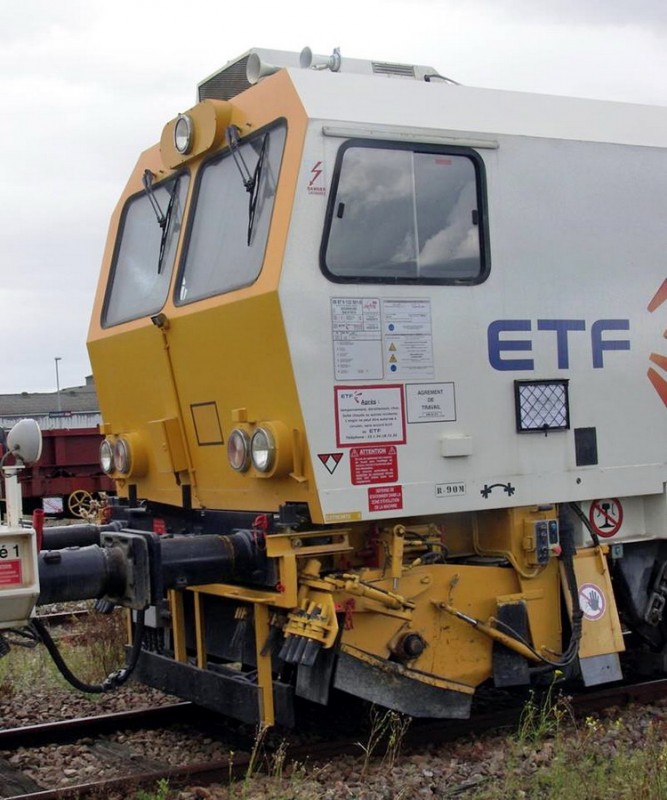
268	449
122	456
258	450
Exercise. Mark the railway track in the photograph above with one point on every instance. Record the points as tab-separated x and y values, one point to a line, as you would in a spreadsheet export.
133	771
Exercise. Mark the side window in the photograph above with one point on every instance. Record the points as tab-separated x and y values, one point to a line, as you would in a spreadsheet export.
230	225
406	214
145	253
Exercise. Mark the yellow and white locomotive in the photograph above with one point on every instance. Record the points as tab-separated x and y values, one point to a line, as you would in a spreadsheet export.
396	346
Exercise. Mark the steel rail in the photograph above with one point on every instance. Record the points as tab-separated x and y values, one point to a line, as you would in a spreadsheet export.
237	764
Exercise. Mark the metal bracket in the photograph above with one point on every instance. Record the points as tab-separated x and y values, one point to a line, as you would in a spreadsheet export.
658	598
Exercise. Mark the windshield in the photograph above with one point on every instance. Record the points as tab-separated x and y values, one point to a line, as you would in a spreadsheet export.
405	215
227	239
145	255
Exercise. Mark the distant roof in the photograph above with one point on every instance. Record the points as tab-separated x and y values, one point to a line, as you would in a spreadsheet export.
74	399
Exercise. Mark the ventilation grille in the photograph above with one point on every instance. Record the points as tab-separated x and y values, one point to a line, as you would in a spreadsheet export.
401	70
227	83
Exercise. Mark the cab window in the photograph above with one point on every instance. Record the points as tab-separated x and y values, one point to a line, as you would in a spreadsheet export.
230	225
406	214
145	252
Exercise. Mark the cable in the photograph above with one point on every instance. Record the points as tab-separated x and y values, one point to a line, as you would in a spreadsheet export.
585	522
113	680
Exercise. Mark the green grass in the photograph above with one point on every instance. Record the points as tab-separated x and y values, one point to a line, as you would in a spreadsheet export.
92	648
554	756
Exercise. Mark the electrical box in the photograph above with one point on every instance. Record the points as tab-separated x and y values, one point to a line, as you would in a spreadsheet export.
19	576
542	541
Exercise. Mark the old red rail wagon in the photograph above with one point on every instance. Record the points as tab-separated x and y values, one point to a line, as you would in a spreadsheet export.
70	462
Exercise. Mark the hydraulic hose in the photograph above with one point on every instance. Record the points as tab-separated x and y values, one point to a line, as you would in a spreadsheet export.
113	680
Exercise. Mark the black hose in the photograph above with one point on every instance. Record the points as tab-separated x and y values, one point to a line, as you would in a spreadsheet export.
585	522
112	681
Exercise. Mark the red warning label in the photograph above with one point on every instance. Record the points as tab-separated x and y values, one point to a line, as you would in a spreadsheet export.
385	498
10	572
373	465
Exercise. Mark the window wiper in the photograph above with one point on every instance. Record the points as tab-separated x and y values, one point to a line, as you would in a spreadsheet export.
162	218
165	226
250	181
147	180
254	190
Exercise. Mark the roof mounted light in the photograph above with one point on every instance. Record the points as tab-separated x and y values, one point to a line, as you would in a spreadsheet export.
183	130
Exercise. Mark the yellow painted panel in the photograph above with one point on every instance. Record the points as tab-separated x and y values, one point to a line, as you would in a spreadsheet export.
601	630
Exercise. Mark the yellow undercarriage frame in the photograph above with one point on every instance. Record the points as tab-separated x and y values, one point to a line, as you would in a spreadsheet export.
412	635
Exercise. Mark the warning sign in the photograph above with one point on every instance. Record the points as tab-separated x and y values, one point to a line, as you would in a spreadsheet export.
373	465
316	184
10	572
385	498
369	415
330	461
606	516
592	601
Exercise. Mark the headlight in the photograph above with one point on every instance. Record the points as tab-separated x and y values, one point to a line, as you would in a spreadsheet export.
183	134
263	450
238	450
121	456
106	457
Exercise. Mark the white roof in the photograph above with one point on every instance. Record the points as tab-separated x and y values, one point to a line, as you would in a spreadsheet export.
391	101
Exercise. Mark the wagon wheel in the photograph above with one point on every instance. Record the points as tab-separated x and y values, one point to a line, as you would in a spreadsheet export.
81	503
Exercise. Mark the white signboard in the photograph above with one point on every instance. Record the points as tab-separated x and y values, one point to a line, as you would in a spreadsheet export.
376	339
369	415
430	402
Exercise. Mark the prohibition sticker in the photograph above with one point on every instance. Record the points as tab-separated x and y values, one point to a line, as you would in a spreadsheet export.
592	601
606	516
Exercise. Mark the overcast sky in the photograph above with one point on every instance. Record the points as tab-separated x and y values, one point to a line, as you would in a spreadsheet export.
86	85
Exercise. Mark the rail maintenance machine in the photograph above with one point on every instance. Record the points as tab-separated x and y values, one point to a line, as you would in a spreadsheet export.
382	365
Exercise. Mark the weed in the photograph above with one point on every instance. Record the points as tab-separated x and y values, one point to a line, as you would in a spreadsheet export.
161	792
386	725
543	718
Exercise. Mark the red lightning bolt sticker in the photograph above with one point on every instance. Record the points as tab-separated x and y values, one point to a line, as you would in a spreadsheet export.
316	182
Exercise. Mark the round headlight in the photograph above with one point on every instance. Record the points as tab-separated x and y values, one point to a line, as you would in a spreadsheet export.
263	450
238	450
121	455
106	457
183	134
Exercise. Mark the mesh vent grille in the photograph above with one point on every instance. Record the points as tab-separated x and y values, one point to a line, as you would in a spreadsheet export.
402	70
542	405
227	83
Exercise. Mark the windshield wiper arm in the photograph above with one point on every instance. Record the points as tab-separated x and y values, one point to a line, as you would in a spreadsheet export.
250	181
164	224
254	188
147	180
